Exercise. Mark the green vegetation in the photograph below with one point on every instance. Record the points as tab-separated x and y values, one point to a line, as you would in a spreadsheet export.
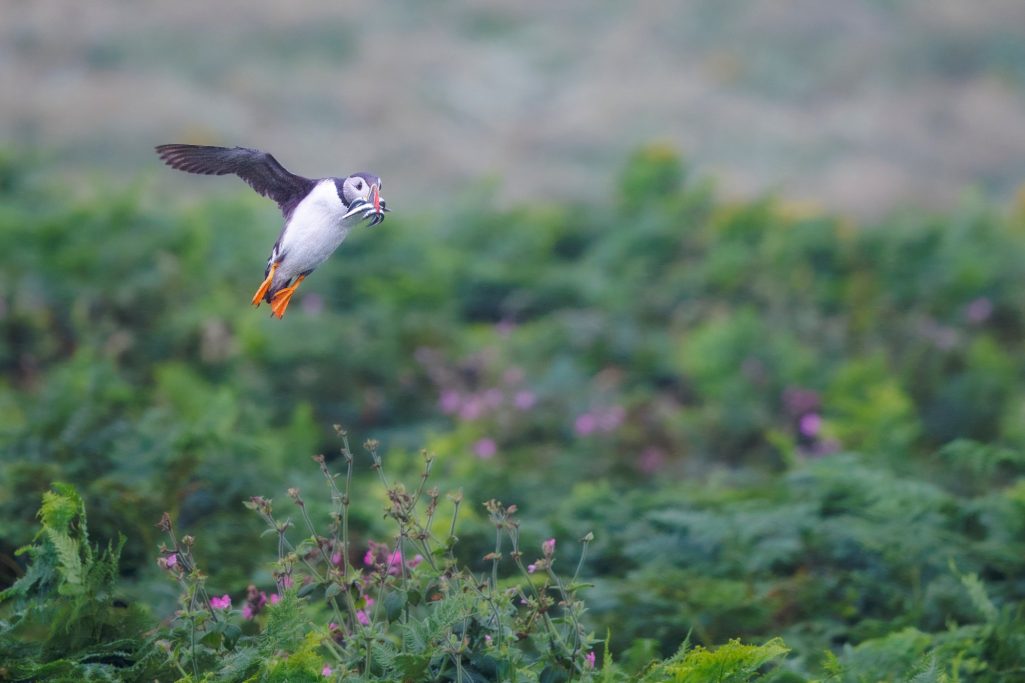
779	427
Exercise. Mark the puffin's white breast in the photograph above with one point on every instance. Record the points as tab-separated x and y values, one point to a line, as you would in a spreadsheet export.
314	231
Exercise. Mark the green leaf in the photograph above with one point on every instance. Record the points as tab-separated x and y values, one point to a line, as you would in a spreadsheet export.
231	635
393	604
212	639
734	662
412	666
553	674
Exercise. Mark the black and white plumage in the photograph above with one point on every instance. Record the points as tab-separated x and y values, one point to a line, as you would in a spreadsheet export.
318	213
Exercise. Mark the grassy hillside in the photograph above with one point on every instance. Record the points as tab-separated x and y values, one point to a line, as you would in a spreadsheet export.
856	106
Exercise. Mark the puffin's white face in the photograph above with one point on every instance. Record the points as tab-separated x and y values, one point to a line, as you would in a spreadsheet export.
361	192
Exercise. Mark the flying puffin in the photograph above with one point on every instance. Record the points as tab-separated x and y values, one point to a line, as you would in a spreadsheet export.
318	213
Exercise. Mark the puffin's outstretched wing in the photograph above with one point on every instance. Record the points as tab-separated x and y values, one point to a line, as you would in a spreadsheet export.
259	169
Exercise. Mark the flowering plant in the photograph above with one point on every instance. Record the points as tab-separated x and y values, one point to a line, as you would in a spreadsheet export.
397	610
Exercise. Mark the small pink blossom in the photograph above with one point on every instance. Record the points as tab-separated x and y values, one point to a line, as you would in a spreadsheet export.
450	401
394	562
472	409
610	419
485	448
651	460
589	659
513	375
336	559
415	562
799	401
286	581
326	672
548	547
531	568
313	303
810	424
505	327
362	617
275	599
369	558
487	639
172	560
369	601
585	424
223	602
493	398
255	601
979	310
524	400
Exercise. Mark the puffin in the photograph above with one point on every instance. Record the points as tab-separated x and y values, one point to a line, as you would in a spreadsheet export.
318	212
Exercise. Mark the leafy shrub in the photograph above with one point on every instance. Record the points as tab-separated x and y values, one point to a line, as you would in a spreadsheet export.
400	616
63	619
780	423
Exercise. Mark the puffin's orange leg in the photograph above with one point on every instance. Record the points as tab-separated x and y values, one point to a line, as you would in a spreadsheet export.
258	297
281	299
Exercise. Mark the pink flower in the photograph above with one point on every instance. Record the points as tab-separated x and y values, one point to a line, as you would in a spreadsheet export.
610	419
332	626
313	303
286	581
585	424
326	671
472	409
531	568
415	562
369	558
652	458
247	612
589	658
450	401
275	599
485	448
810	424
979	310
336	559
362	618
223	602
369	601
487	639
172	560
395	562
799	401
493	398
548	547
524	400
513	375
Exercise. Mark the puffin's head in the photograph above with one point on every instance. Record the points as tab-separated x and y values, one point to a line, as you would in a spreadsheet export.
361	194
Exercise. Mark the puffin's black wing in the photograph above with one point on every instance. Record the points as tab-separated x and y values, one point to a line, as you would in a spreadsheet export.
259	169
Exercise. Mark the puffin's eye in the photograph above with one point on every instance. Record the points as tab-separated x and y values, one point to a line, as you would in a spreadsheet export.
359	184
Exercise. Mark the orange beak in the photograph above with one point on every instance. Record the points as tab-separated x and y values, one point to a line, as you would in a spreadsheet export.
377	198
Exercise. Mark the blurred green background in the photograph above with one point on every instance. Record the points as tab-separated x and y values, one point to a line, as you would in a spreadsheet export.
737	286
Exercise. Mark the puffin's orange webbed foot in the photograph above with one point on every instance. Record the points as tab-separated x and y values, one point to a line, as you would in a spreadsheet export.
262	291
281	299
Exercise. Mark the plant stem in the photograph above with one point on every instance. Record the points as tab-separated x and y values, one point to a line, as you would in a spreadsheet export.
345	506
192	633
580	562
497	555
455	516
